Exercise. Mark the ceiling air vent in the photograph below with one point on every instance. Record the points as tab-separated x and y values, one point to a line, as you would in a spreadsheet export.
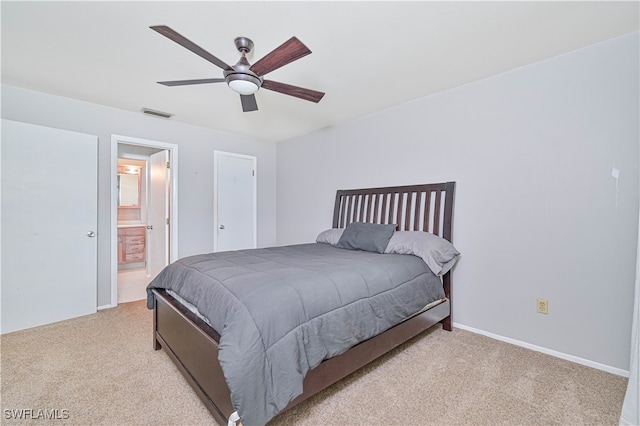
154	113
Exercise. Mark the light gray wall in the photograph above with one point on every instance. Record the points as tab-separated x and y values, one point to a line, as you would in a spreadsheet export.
538	213
195	182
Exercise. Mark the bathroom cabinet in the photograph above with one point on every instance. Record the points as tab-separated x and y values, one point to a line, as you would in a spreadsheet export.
131	245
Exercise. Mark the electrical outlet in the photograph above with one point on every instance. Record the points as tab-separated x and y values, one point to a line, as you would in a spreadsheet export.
543	306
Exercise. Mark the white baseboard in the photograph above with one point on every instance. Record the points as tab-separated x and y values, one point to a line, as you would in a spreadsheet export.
572	358
106	307
626	422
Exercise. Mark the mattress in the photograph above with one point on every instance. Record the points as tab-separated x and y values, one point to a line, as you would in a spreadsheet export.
197	313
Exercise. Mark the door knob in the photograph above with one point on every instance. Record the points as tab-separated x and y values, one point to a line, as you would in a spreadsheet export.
149	227
91	234
221	226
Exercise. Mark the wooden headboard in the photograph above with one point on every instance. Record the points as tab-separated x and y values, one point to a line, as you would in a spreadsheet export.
427	207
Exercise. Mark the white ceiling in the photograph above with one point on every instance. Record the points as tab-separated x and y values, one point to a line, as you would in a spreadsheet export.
367	56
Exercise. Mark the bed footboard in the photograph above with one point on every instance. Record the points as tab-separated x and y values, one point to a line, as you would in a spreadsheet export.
193	347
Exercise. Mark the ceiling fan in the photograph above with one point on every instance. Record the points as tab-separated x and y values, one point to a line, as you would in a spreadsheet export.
243	77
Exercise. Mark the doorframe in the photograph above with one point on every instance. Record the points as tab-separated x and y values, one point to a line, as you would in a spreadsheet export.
173	200
217	154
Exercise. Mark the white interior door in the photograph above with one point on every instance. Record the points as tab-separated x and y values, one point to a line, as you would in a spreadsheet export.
235	200
49	225
157	226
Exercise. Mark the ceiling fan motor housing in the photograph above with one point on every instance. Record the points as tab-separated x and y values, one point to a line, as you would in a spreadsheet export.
240	78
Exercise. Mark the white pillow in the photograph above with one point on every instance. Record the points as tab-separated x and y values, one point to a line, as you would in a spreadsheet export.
330	236
439	254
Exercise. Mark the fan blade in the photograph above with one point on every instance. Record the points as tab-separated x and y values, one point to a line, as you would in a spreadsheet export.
187	82
287	52
184	42
248	103
298	92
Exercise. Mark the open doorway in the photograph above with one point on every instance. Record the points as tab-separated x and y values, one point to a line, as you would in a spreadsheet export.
144	213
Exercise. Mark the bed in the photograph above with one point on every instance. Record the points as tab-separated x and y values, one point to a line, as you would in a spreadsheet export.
187	332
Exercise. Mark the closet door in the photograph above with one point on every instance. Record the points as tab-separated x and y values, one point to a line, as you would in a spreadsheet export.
234	201
49	225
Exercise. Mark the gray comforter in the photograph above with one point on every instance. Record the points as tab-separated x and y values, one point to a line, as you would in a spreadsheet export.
281	311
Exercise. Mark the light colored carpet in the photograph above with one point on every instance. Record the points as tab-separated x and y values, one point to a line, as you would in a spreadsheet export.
102	369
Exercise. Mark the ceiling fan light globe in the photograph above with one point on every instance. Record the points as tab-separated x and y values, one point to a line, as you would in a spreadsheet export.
243	84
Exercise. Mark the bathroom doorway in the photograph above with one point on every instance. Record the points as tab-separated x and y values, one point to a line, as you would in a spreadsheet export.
144	237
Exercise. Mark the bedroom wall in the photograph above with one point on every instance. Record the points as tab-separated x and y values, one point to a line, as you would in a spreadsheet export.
195	181
538	212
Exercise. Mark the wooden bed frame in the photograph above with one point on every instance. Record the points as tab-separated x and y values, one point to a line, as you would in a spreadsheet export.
193	345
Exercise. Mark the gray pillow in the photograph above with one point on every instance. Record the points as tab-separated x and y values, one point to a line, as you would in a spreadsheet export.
366	236
330	236
439	254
